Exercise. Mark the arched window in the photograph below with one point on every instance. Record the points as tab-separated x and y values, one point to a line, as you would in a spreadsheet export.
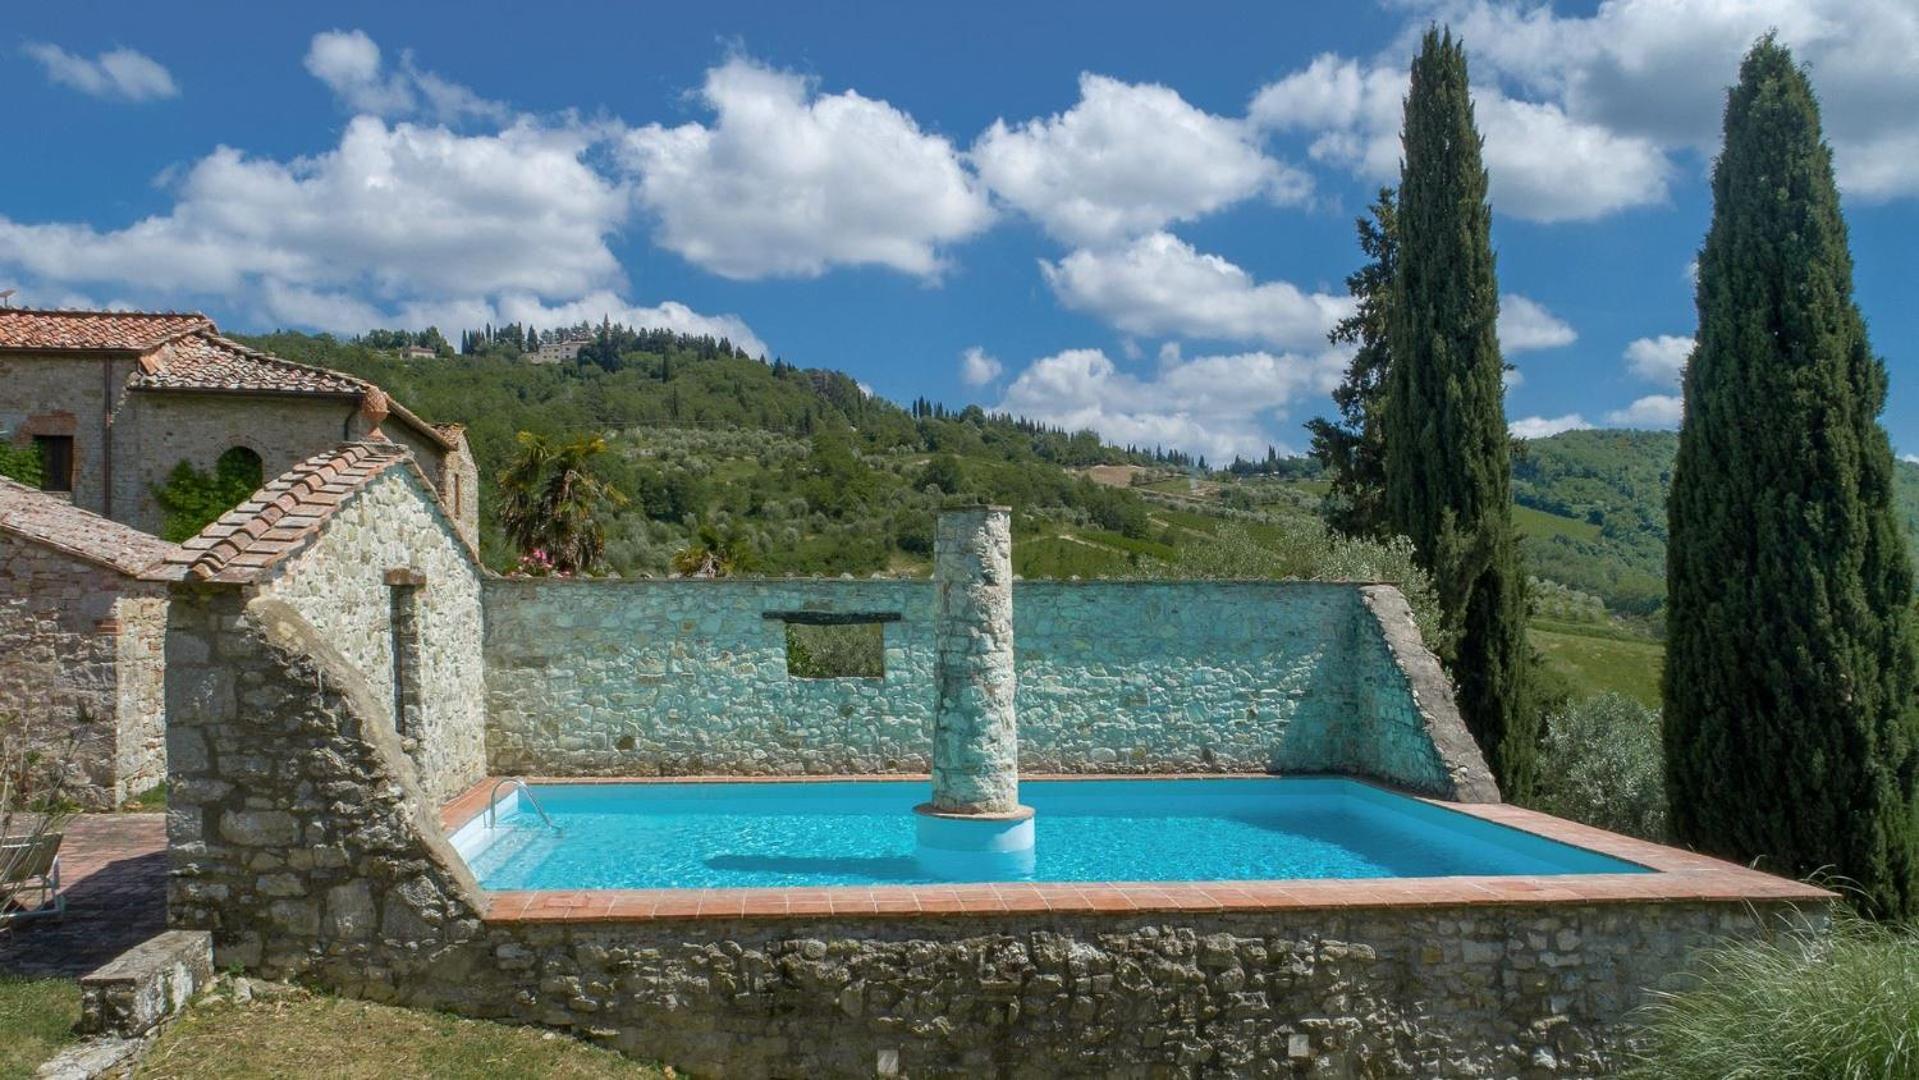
190	499
237	469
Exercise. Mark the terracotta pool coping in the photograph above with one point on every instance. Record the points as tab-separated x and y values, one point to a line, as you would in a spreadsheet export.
1678	877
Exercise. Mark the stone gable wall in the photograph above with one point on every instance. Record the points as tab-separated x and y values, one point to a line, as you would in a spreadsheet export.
80	668
301	837
687	677
339	586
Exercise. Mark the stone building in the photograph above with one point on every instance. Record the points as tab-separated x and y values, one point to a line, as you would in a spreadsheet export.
81	644
116	400
355	540
557	352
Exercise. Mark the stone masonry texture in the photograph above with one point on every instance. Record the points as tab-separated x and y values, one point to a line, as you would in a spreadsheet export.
80	669
645	678
975	733
339	586
303	840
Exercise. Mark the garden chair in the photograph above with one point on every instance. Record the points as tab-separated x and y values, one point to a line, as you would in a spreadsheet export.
30	877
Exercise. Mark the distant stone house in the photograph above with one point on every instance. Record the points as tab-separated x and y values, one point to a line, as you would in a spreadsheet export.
557	352
116	400
81	644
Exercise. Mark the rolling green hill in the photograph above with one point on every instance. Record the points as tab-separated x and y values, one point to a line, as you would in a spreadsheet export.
1592	512
790	470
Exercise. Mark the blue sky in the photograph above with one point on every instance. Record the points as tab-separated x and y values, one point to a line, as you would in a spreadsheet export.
1118	215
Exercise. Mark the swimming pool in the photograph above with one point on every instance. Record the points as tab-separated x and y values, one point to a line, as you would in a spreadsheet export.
746	834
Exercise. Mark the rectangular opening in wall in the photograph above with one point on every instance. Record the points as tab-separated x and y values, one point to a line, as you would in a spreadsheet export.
56	461
403	589
836	650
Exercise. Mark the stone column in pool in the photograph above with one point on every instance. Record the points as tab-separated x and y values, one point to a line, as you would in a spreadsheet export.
974	828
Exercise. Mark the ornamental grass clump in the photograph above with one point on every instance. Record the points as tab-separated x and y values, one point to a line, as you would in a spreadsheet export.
1844	1007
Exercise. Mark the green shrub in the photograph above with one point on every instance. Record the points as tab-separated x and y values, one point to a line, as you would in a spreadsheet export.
1306	549
192	499
20	463
1803	1005
1601	762
855	650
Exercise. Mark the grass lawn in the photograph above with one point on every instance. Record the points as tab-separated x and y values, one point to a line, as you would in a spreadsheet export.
35	1018
1058	557
1528	521
358	1040
1598	660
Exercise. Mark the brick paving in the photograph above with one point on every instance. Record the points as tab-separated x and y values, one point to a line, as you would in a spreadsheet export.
114	870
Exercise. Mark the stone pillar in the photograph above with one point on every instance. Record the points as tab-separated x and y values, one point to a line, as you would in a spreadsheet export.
975	829
975	735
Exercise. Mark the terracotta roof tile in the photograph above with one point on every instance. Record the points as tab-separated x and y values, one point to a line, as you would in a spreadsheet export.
95	331
207	361
54	522
285	516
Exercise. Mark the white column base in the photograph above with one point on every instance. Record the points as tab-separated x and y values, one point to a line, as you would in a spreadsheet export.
975	847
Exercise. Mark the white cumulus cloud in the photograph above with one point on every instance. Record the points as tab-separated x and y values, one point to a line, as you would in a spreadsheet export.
1660	359
1160	285
350	64
1540	427
1127	159
787	181
1652	411
117	74
977	367
1543	165
399	225
1526	325
1657	70
1217	405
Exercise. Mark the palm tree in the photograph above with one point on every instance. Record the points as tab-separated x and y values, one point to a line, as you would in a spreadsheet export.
711	555
551	501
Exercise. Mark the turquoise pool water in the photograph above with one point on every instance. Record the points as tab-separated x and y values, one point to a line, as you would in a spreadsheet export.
648	836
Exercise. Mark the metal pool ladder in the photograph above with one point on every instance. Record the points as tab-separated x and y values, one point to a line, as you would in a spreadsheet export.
493	797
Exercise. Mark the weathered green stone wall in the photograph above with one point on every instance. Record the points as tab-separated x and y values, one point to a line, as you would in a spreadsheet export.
687	677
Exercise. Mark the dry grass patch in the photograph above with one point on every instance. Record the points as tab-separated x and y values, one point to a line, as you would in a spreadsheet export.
313	1035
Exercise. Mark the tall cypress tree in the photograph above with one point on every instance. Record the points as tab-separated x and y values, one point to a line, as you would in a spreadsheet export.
1448	456
1352	448
1789	671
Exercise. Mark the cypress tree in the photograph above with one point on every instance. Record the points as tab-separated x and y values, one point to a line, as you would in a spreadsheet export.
1789	723
1448	456
1352	448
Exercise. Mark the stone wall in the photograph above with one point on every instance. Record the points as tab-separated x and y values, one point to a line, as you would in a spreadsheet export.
155	431
80	668
140	682
302	839
684	677
687	677
451	471
340	586
49	395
